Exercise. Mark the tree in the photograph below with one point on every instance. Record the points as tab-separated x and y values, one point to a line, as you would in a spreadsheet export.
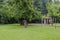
25	10
53	9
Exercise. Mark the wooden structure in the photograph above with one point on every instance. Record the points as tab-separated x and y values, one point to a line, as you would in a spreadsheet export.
47	20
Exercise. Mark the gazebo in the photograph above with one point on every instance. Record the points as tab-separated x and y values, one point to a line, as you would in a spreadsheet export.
47	20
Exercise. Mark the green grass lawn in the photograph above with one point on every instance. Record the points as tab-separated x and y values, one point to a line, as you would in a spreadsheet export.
33	32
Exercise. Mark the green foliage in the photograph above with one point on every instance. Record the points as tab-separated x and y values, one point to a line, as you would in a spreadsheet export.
18	9
53	9
28	9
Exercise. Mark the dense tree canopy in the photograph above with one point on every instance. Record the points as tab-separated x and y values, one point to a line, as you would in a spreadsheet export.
12	11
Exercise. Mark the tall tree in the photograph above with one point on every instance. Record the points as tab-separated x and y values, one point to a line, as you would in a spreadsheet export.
26	9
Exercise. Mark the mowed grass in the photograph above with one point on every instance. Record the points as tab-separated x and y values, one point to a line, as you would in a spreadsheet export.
33	32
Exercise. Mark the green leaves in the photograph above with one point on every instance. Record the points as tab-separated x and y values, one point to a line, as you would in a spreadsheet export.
25	9
53	9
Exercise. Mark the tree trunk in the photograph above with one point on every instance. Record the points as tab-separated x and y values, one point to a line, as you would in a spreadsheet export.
21	23
25	23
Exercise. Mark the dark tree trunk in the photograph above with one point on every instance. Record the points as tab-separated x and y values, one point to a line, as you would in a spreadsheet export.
25	23
21	22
